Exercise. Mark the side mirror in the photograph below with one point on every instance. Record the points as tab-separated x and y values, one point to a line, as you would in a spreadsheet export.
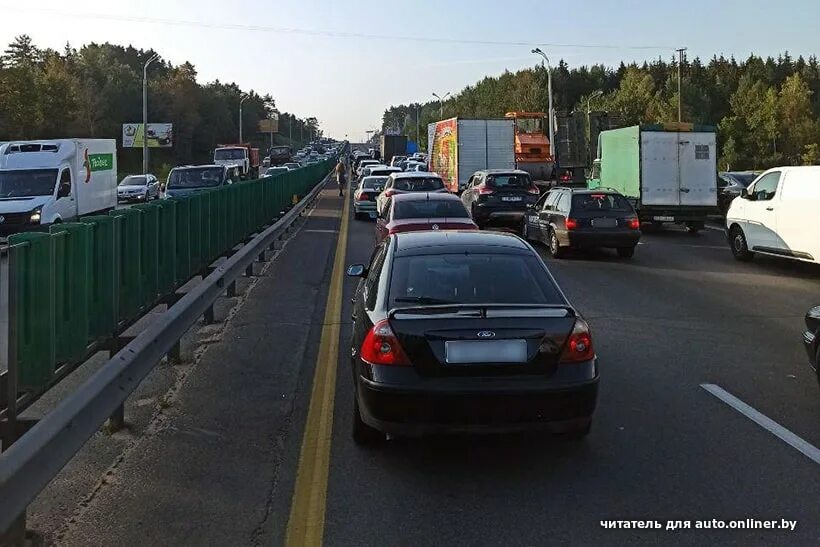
744	193
356	270
64	191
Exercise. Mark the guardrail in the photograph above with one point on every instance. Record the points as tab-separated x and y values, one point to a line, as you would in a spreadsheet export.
74	290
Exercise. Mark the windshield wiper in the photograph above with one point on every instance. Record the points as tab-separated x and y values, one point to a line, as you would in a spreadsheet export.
424	300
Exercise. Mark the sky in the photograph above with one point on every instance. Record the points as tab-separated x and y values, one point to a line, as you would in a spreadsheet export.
346	62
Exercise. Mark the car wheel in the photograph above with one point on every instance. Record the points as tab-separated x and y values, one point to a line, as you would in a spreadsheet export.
576	434
555	246
740	249
363	434
626	252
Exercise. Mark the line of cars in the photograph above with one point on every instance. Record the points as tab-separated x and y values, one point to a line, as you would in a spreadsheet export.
455	329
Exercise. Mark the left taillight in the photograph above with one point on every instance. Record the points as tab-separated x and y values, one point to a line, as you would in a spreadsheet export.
534	190
362	197
381	347
571	224
485	190
633	223
578	347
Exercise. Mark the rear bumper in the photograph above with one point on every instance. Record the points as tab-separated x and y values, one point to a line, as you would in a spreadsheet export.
501	213
588	240
364	206
488	405
659	213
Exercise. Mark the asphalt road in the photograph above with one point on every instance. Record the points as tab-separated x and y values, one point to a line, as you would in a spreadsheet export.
222	465
681	313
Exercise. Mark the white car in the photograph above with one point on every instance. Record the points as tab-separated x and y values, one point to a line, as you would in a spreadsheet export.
273	171
404	183
364	198
779	215
138	188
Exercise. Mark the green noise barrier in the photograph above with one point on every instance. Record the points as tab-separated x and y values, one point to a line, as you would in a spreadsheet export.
84	282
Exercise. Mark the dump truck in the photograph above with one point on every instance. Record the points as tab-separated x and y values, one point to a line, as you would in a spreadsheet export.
392	145
460	147
533	152
667	171
57	180
280	155
242	156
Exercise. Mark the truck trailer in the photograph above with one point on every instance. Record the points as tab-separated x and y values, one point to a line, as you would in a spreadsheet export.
391	145
49	181
668	171
459	147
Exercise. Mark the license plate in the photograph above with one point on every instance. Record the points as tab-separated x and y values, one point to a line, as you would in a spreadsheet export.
604	223
664	219
511	198
485	351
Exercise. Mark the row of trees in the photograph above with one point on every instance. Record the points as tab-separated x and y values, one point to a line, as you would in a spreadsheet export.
766	111
92	91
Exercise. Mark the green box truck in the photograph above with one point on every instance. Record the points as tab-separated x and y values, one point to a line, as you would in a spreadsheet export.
668	172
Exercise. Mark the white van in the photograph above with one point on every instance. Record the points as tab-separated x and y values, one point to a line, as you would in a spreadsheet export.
43	182
778	214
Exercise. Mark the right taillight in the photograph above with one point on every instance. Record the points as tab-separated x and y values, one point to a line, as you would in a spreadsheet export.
578	347
381	347
633	223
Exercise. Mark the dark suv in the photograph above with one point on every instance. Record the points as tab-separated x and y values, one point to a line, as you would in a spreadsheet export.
499	196
578	218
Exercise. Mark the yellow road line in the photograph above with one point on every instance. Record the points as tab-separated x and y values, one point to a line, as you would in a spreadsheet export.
306	524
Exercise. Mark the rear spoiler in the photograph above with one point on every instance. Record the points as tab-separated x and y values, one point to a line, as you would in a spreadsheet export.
485	310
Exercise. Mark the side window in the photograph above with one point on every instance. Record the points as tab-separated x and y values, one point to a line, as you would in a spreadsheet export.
371	284
563	203
552	197
64	188
722	182
540	204
765	188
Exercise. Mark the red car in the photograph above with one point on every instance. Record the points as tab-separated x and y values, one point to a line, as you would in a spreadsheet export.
419	211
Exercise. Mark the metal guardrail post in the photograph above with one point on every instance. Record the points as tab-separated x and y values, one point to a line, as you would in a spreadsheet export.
208	316
231	292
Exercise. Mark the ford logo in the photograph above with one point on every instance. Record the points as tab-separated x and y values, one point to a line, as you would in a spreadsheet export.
485	334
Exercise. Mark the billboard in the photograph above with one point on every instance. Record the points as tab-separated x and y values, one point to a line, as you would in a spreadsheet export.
160	135
270	125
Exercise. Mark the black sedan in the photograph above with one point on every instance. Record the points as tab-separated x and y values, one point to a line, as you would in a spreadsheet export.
574	218
459	332
811	339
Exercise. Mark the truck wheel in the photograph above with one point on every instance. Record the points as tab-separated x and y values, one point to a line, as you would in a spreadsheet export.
555	246
626	252
694	227
740	249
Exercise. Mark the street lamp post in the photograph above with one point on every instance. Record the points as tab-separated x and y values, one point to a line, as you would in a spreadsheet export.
245	98
153	58
441	103
551	113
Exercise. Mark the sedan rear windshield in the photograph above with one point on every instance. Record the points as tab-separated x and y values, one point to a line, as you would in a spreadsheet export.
134	180
419	208
374	183
600	202
471	279
420	184
509	181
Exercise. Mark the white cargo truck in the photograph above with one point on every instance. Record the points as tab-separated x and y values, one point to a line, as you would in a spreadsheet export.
458	148
43	182
668	172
